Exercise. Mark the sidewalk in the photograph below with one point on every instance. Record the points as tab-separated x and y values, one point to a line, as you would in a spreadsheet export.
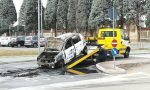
108	66
13	59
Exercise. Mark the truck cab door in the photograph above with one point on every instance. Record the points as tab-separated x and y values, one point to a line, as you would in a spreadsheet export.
69	51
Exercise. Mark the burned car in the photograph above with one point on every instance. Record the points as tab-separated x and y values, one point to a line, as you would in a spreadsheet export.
62	50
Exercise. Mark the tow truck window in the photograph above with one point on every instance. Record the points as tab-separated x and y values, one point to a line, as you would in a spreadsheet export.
108	34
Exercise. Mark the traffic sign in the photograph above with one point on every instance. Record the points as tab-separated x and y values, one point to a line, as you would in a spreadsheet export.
110	13
114	52
114	43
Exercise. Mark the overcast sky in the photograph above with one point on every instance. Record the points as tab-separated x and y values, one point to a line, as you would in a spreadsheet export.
18	4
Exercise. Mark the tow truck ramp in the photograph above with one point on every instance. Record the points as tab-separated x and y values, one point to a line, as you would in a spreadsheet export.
83	58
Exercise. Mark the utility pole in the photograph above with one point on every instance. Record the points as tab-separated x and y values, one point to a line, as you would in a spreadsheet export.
39	27
41	19
114	31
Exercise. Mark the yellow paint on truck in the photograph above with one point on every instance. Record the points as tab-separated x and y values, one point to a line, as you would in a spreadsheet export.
105	37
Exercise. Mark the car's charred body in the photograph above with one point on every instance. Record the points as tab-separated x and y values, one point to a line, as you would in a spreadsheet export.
61	50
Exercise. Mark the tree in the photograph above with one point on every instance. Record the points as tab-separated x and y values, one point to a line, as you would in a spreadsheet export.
147	8
133	12
8	14
98	13
50	15
31	16
22	13
82	14
148	21
71	16
62	10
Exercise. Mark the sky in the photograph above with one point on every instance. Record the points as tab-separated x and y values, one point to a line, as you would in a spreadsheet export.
18	4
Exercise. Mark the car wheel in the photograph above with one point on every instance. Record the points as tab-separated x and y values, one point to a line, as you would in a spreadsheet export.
12	45
60	64
85	51
9	45
126	54
35	45
18	45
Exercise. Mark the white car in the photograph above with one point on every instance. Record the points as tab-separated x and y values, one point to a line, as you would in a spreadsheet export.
62	50
5	41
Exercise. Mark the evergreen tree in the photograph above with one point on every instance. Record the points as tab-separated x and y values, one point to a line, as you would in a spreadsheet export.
8	14
31	16
71	16
22	13
98	13
147	8
50	14
62	10
82	14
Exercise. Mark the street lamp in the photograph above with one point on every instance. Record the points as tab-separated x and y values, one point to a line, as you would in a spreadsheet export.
39	23
41	19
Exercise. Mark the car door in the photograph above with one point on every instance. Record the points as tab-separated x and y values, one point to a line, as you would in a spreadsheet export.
69	51
78	44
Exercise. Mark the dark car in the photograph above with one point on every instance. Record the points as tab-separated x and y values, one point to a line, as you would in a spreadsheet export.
18	41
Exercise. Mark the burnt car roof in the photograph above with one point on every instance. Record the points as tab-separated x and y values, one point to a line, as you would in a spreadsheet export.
66	36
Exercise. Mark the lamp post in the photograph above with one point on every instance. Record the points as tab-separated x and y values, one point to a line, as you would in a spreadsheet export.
41	19
39	27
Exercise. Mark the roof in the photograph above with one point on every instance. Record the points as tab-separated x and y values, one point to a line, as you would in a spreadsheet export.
109	29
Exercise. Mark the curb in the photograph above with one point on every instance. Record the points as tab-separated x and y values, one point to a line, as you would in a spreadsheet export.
109	69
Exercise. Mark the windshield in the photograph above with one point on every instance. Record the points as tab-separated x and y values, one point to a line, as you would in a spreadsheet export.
54	45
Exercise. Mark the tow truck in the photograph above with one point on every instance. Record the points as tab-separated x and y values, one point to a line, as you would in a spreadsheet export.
105	38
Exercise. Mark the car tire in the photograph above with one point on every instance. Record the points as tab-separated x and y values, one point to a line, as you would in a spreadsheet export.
9	45
35	45
85	51
60	64
18	45
12	45
126	54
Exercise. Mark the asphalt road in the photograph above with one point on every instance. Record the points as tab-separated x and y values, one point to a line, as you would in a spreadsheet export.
25	75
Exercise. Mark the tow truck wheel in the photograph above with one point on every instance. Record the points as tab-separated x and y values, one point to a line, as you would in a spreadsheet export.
101	57
126	54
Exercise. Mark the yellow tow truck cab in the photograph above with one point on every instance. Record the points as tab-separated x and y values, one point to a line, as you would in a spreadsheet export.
105	38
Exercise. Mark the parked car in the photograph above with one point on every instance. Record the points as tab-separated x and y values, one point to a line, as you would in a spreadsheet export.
31	41
62	50
43	41
18	41
0	40
5	41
